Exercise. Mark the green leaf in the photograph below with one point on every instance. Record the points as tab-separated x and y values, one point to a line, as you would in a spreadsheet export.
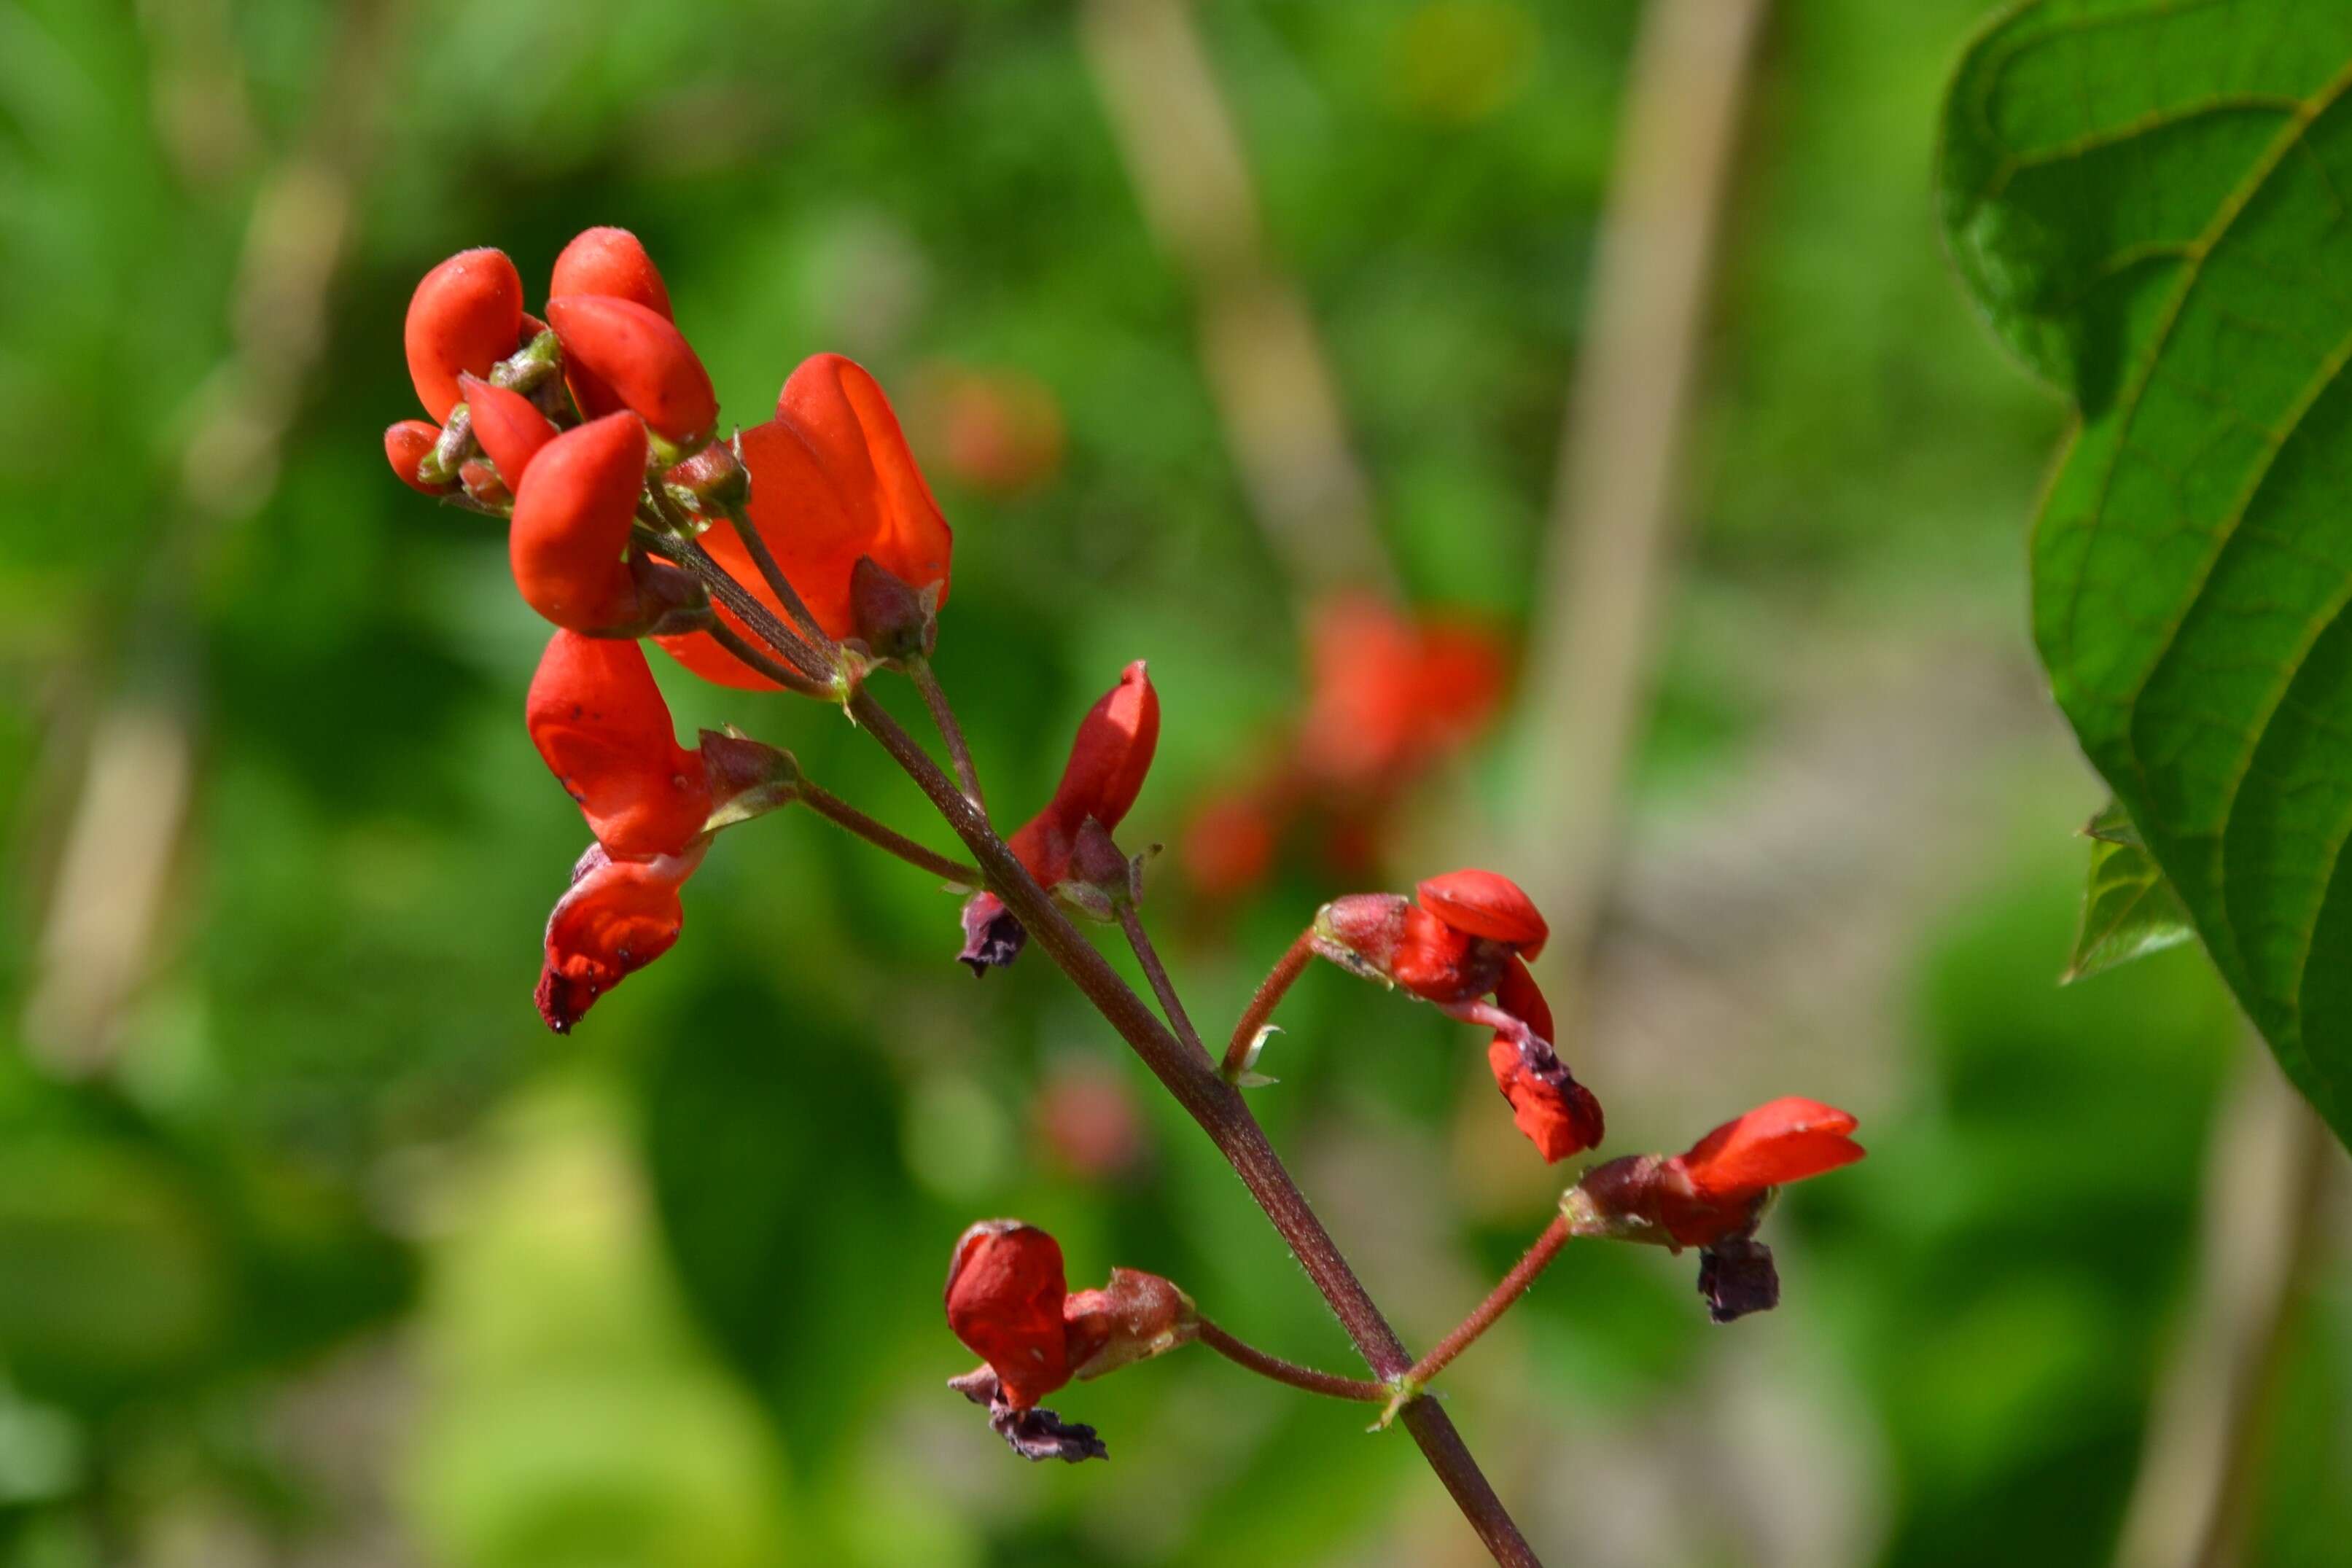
2152	202
2128	909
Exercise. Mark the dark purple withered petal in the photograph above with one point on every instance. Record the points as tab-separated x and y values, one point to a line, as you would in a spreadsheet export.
1736	1277
993	934
1036	1433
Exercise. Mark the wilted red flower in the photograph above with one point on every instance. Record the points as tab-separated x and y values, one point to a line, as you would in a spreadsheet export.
619	916
1007	1299
407	443
1462	940
510	428
832	480
600	722
1108	761
1713	1194
466	316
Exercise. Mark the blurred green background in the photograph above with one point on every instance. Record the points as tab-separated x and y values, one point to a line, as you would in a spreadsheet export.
316	1249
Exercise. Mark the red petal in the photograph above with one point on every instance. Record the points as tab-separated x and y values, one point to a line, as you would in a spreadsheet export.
406	444
618	917
1516	994
840	411
466	315
644	358
610	261
1434	960
600	722
1559	1119
1004	1296
1784	1141
572	515
1112	754
1485	905
510	429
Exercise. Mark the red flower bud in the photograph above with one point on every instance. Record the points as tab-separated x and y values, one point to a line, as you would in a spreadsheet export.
408	443
572	515
600	722
1485	905
610	261
1004	1295
832	480
508	425
619	916
466	315
645	360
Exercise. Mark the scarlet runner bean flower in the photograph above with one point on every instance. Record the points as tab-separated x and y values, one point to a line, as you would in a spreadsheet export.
1008	1301
1388	695
600	723
1108	761
1470	935
832	480
1713	1194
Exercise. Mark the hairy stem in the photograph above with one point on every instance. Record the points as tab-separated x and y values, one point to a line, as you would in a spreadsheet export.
1217	1106
1270	992
935	698
834	808
1490	1311
1328	1384
756	545
1131	920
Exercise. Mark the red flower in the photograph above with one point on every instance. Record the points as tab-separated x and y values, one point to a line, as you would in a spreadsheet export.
1557	1115
573	511
1009	1303
1004	1295
406	444
1387	695
466	316
606	734
1716	1190
510	428
642	358
1464	939
832	480
1105	773
619	916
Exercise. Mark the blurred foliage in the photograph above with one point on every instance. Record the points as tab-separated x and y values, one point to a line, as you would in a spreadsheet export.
667	1290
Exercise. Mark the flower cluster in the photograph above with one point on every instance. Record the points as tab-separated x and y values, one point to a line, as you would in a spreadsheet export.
594	435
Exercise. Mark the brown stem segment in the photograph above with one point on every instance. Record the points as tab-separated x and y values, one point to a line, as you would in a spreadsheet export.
1328	1384
935	698
1490	1311
1270	992
756	545
834	808
1131	920
783	675
1217	1106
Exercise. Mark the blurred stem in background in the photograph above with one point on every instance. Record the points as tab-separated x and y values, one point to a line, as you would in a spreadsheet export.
1588	678
2269	1176
139	774
1277	398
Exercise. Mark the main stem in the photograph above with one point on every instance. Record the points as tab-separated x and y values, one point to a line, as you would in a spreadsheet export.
1217	1106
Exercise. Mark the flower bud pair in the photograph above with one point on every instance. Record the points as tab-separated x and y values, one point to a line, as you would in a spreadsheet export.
1715	1194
